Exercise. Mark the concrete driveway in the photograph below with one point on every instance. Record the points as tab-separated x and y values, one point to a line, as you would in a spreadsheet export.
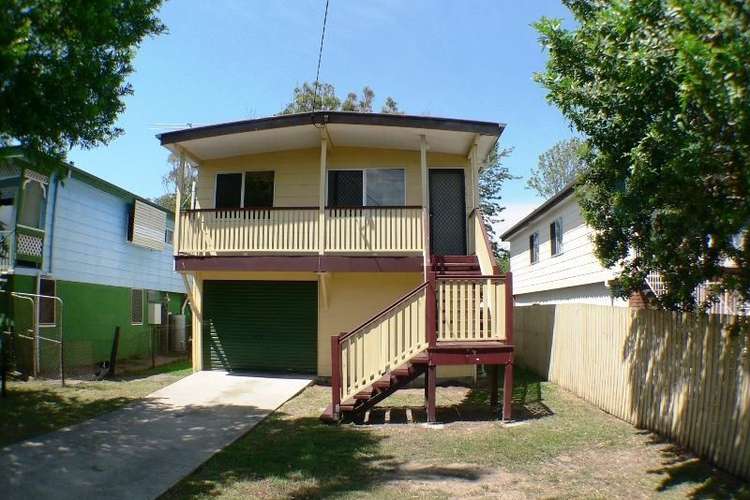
142	450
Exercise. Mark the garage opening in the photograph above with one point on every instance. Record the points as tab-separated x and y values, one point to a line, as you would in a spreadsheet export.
260	326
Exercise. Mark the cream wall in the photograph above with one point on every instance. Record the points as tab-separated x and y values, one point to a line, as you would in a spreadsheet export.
345	301
297	172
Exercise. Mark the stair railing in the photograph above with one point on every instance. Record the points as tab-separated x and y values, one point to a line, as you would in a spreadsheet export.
472	308
382	343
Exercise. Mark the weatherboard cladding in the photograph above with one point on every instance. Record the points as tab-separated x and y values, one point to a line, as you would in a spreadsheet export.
89	242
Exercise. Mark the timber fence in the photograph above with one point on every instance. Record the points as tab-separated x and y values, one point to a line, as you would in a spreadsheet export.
684	376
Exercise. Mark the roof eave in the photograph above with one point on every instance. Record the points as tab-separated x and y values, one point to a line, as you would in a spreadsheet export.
539	211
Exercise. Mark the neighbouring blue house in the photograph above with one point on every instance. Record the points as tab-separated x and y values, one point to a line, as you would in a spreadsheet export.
104	251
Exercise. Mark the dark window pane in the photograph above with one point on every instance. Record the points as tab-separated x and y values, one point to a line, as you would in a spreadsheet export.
136	306
345	188
385	187
258	189
228	190
47	306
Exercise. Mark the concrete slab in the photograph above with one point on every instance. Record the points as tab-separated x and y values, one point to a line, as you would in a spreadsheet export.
140	451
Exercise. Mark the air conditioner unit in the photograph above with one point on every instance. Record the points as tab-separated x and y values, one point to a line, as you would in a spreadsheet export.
154	314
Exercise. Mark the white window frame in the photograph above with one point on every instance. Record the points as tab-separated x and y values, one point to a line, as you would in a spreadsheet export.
557	245
534	248
364	181
242	184
131	306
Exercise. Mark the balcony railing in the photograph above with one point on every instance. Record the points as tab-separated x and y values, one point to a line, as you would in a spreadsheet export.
298	230
7	251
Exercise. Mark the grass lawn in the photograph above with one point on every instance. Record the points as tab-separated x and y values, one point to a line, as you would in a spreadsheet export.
560	447
36	407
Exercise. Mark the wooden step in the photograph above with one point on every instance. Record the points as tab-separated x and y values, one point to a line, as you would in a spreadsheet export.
364	394
383	383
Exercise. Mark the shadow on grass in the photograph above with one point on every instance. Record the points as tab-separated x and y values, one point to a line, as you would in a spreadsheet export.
475	407
304	458
682	468
28	413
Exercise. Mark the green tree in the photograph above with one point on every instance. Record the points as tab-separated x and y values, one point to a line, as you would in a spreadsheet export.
177	177
63	69
308	97
557	167
390	106
661	91
491	182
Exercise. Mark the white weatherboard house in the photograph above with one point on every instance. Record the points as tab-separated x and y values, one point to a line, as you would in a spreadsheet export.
552	257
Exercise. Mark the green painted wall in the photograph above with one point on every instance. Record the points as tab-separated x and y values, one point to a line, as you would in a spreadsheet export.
90	314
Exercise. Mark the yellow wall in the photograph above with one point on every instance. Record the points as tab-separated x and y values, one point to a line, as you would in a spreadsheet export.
297	173
349	299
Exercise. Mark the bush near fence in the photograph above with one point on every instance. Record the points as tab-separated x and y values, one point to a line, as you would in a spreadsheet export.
685	376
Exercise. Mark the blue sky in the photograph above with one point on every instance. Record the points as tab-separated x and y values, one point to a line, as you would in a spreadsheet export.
232	60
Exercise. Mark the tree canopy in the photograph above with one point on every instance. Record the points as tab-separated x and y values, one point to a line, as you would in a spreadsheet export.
557	167
178	177
63	69
661	89
308	97
491	182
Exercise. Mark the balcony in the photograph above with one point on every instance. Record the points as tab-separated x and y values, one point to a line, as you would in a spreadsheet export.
301	230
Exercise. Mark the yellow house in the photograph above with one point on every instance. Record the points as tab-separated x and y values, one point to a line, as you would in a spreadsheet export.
346	245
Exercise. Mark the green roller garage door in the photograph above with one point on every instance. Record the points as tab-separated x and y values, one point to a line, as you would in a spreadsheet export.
260	326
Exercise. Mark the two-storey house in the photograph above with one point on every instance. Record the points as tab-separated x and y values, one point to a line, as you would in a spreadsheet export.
346	245
104	253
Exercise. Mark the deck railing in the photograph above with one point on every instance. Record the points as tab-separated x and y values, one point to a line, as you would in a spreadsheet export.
297	230
7	247
384	342
374	229
471	309
208	231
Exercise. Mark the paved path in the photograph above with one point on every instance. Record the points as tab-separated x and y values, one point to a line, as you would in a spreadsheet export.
138	452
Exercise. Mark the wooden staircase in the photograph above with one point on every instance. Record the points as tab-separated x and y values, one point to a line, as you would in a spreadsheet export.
455	265
380	389
456	317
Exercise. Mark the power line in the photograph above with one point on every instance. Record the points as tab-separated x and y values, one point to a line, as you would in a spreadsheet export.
320	56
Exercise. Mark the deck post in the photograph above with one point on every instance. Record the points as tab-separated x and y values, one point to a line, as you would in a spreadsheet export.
431	310
431	393
507	392
335	377
424	173
493	375
322	192
509	308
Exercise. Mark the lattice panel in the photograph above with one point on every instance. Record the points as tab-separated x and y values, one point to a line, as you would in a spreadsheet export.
29	245
36	176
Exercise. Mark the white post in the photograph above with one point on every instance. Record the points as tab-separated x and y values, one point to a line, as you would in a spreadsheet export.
177	202
322	193
425	202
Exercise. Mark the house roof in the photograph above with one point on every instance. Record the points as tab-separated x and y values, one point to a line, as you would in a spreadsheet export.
36	159
343	128
540	210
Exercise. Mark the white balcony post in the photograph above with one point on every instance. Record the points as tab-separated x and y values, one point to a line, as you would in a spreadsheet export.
425	202
322	194
177	202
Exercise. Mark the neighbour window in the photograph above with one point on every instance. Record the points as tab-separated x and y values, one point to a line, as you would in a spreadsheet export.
136	306
371	187
258	189
168	236
556	236
534	248
228	190
47	306
33	206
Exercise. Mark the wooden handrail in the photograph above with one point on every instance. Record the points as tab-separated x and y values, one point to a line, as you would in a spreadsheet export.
383	312
243	209
372	207
477	212
464	277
